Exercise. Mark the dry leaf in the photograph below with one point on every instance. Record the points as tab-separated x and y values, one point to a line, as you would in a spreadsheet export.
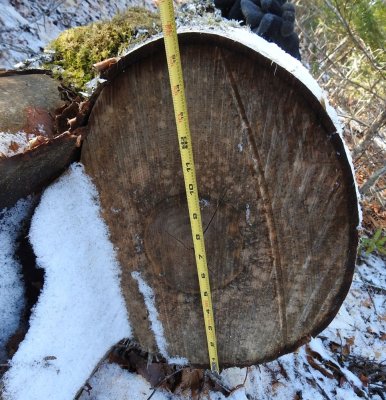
382	317
342	381
314	364
276	386
346	350
191	379
367	303
13	146
370	330
364	379
335	347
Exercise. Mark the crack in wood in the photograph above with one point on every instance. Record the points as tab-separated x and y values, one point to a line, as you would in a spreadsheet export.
267	202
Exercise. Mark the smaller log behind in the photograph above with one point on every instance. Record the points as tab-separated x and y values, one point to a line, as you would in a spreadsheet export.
33	121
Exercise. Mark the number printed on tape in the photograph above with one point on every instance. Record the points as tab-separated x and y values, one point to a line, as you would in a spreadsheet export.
184	139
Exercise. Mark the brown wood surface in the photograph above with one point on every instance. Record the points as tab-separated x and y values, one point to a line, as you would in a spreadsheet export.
277	197
29	102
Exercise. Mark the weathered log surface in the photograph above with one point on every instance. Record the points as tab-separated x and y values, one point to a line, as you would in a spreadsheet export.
31	104
28	102
277	196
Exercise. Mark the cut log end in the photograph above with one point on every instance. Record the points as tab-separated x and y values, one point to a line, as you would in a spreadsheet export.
276	190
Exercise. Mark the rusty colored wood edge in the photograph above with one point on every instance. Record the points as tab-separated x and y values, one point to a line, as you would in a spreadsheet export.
37	71
59	138
155	45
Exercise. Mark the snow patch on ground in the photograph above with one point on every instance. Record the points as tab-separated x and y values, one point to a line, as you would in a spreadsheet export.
11	285
111	382
156	326
14	143
361	321
80	314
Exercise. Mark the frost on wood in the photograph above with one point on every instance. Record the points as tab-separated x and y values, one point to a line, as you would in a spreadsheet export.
156	324
11	284
80	314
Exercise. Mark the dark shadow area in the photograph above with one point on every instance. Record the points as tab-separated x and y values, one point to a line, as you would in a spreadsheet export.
33	279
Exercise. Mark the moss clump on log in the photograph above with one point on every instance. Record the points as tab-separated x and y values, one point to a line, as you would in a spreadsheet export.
77	49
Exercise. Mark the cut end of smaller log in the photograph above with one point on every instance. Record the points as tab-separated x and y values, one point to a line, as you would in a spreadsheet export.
41	125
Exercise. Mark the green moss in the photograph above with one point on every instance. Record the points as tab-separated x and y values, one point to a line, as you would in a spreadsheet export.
77	49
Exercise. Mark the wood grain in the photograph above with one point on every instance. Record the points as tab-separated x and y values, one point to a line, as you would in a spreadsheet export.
276	190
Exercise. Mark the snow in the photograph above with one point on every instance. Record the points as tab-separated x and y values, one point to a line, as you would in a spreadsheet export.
11	285
111	382
80	314
14	143
248	214
373	264
26	27
156	326
361	318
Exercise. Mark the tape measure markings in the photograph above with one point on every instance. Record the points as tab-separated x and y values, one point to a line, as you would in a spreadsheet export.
186	151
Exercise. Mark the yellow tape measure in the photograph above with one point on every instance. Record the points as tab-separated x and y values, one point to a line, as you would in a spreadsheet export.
186	151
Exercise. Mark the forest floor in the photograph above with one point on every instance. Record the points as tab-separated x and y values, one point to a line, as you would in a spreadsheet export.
346	361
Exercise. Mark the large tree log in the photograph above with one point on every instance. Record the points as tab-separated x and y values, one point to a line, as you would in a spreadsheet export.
277	196
33	112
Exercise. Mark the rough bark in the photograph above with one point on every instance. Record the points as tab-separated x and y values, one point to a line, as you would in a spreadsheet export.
277	197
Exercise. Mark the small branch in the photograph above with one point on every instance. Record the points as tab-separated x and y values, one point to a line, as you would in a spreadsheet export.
163	381
371	133
353	37
372	180
380	189
317	382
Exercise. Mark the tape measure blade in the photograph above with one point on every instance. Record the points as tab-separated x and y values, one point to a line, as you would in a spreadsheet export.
189	172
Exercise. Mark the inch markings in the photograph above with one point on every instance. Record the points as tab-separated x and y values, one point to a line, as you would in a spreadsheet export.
186	151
